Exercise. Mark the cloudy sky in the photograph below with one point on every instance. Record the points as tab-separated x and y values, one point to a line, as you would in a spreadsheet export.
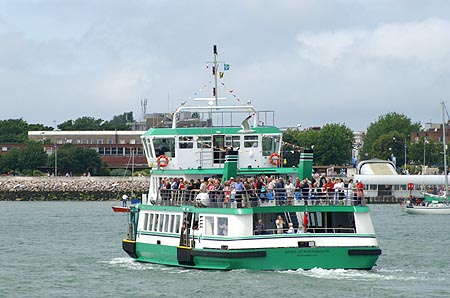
313	62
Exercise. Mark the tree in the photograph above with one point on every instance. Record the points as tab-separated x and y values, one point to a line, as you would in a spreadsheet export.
10	161
119	122
83	123
32	156
76	160
389	146
390	122
334	145
294	140
14	131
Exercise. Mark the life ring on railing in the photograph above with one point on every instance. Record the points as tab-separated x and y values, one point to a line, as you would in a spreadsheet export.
410	186
275	159
162	161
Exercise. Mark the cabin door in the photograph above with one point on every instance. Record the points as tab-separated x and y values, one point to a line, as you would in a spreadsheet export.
186	230
184	250
219	149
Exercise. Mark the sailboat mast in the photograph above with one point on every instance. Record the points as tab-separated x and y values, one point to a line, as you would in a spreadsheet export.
444	128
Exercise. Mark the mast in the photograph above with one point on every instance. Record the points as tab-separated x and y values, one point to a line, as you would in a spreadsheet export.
215	74
444	127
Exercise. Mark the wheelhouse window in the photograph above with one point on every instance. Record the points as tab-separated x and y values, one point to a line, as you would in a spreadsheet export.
270	144
250	141
164	146
186	142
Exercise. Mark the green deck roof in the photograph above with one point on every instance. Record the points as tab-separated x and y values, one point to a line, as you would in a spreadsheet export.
208	131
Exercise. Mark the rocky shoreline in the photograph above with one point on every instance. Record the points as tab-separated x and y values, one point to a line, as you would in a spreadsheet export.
70	188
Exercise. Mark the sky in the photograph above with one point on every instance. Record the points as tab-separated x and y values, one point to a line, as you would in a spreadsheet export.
313	62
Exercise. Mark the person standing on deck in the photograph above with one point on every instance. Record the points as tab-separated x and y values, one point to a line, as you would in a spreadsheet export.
124	200
360	190
279	223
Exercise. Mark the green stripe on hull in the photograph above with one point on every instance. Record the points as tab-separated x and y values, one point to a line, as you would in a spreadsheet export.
274	259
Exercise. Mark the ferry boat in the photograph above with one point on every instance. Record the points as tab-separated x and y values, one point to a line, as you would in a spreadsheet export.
225	229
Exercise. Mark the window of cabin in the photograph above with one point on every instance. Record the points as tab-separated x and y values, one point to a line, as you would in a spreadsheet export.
166	223
150	222
155	224
99	141
132	141
177	223
233	142
171	223
186	142
270	144
161	222
204	142
164	146
109	141
209	225
222	226
145	221
250	141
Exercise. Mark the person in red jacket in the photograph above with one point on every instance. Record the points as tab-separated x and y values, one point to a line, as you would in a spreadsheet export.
360	190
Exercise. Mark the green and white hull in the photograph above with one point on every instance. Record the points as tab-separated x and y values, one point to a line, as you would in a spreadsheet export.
320	247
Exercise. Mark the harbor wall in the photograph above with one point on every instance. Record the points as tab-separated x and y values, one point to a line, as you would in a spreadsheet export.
71	188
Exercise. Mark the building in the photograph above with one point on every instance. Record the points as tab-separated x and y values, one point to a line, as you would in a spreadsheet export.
115	147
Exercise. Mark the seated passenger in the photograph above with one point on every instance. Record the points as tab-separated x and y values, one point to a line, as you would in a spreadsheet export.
291	228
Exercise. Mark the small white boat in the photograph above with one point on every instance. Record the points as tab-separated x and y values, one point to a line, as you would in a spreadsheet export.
435	204
430	208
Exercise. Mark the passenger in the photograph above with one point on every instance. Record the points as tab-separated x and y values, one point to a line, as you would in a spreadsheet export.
300	230
279	223
290	192
260	229
291	228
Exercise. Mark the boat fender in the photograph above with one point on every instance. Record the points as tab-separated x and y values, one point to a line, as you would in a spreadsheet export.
275	159
162	161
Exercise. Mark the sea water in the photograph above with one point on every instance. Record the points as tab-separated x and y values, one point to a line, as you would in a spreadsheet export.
73	249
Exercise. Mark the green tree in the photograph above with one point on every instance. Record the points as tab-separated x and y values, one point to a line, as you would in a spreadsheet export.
391	122
83	123
294	140
389	145
334	145
119	122
10	161
76	160
36	127
32	157
13	131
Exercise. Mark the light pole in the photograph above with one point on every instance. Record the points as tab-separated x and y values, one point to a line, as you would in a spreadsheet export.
405	155
56	160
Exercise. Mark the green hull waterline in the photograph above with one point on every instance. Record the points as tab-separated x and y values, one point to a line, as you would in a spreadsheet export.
269	259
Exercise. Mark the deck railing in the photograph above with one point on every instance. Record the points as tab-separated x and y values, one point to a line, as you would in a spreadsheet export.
308	230
251	198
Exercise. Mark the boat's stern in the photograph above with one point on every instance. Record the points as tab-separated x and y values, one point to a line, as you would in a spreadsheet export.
129	246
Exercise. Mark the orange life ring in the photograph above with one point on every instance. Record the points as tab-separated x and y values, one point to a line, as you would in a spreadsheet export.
275	159
162	161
